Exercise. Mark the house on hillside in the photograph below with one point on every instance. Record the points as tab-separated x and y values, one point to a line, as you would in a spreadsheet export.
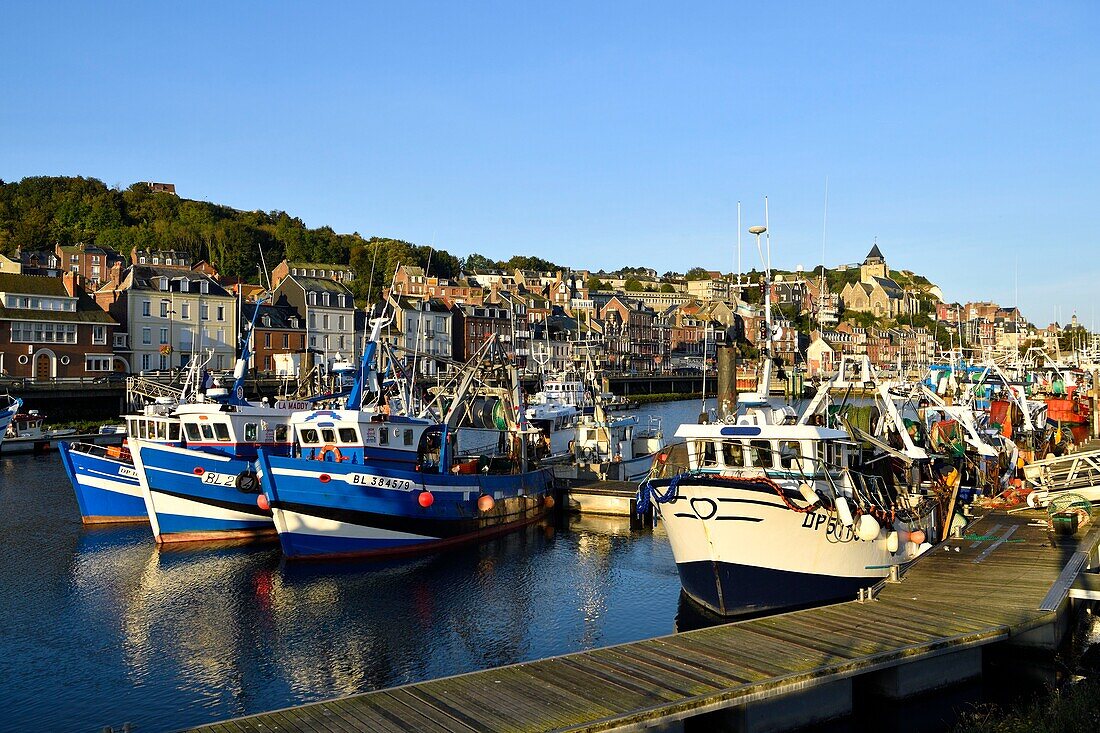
876	292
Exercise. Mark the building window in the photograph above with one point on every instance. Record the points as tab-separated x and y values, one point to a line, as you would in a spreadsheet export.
267	340
204	312
286	340
97	363
141	261
145	360
146	336
163	362
324	321
185	311
340	322
221	312
267	363
164	308
30	332
164	335
120	341
99	335
146	308
326	298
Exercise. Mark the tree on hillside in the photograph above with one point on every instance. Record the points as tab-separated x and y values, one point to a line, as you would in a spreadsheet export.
697	273
667	288
595	284
478	262
633	285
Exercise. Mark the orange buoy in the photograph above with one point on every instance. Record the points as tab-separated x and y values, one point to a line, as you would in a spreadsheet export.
917	538
426	499
262	502
485	503
548	502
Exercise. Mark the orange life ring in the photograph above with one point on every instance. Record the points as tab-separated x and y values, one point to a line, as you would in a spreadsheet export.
330	448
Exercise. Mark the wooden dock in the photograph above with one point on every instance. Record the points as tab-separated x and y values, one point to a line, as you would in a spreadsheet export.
1006	579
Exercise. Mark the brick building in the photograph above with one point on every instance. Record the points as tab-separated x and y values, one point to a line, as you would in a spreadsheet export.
50	328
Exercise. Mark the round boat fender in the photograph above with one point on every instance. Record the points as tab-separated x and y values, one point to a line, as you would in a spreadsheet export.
247	482
330	449
588	454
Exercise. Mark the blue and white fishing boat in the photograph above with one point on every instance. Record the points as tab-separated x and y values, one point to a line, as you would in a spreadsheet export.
206	488
104	478
362	482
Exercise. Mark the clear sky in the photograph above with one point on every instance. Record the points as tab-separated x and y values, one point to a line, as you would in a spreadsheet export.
964	136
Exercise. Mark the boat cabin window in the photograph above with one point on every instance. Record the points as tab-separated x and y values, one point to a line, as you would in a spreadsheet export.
251	432
280	433
162	430
733	456
383	437
222	431
790	454
309	435
408	436
143	430
174	431
705	453
132	428
761	453
328	435
207	431
348	435
192	431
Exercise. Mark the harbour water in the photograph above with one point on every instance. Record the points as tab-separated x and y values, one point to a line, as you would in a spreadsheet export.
102	628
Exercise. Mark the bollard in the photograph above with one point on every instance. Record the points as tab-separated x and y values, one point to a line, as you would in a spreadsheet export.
895	574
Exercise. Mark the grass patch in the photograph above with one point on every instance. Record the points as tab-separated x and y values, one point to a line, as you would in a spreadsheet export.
1074	709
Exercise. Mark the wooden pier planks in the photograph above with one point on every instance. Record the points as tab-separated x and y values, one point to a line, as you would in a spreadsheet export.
995	582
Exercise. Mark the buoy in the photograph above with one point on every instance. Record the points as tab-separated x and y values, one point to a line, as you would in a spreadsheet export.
917	538
892	542
426	499
548	502
485	503
809	494
867	528
263	503
843	511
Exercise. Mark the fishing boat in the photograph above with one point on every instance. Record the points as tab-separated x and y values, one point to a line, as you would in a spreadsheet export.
205	489
764	512
614	447
363	482
104	478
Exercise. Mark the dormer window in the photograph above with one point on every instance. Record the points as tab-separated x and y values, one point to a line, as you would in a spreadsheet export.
141	260
326	298
266	320
168	260
204	287
156	259
162	283
185	285
311	298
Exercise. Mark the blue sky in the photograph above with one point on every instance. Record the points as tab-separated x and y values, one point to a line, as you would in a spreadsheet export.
962	135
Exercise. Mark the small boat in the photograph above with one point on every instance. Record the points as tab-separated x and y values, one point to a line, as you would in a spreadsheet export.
362	482
614	448
27	434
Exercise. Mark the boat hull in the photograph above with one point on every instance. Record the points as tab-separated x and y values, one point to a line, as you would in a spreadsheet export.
107	488
325	510
741	549
191	495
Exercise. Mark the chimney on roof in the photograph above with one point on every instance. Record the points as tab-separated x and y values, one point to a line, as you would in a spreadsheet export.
69	279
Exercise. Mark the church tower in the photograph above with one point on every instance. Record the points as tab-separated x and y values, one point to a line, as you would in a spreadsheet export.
874	266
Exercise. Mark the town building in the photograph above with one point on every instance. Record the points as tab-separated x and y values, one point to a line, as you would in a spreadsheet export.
876	292
422	328
169	315
475	324
50	328
92	264
279	330
320	295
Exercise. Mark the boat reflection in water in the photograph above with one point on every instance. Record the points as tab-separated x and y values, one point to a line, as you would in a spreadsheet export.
216	632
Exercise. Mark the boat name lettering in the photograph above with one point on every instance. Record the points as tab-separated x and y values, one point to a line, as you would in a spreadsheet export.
219	479
819	520
127	472
292	405
383	482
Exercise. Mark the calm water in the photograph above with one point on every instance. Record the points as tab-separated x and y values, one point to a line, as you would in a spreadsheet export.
100	627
